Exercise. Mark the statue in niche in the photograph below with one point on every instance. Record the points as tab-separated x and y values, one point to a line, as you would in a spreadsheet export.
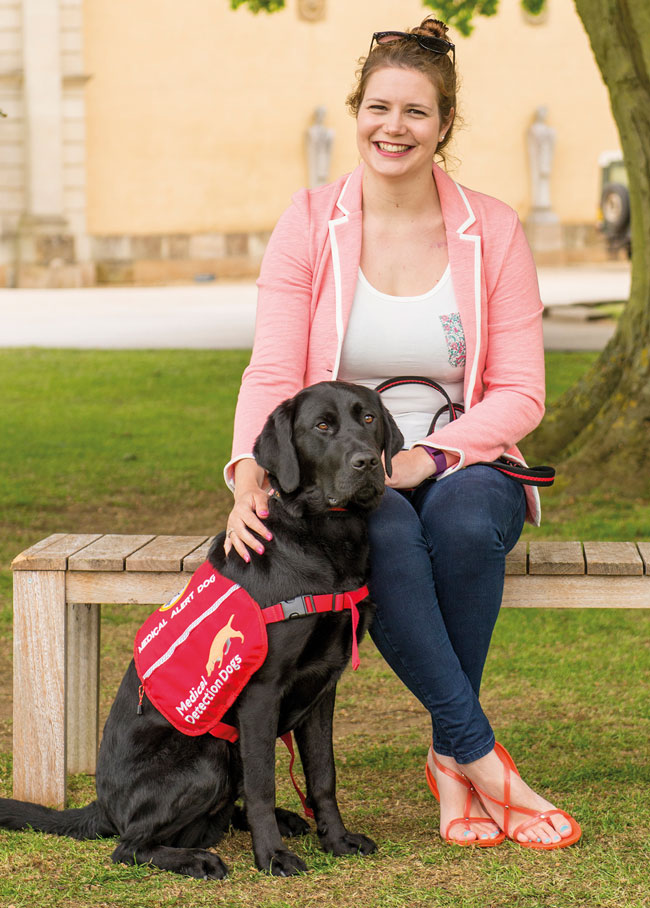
541	145
319	149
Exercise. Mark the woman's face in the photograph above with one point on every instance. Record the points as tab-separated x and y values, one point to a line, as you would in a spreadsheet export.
398	124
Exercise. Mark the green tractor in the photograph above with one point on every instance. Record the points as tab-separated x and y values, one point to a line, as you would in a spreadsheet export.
614	211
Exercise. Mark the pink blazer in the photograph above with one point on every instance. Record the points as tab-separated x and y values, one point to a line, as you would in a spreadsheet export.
306	289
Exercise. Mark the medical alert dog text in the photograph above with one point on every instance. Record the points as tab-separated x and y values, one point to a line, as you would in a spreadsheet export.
210	692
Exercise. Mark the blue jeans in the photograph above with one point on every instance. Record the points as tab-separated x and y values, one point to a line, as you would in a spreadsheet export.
437	565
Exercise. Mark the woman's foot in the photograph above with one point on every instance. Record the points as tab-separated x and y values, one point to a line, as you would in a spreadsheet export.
498	783
453	796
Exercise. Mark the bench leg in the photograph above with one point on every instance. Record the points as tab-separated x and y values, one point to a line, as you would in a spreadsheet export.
39	771
82	686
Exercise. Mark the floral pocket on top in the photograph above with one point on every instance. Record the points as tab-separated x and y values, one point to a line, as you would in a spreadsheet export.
455	337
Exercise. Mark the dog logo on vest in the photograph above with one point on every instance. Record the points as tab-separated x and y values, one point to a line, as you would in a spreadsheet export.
221	645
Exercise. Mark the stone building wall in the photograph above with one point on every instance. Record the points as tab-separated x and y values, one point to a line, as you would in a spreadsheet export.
12	158
43	234
74	81
143	145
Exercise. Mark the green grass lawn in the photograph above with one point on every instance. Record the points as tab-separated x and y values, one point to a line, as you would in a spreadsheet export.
135	442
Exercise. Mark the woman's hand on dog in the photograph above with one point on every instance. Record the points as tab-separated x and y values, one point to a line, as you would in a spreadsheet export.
251	504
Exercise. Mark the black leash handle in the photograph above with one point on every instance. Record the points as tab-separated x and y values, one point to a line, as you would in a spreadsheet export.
453	409
528	476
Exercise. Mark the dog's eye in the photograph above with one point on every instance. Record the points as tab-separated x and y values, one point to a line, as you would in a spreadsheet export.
368	418
322	425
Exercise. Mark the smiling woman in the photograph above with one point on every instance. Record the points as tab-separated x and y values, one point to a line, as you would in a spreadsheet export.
392	270
398	118
403	50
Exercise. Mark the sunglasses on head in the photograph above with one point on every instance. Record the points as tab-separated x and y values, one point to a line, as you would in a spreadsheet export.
428	42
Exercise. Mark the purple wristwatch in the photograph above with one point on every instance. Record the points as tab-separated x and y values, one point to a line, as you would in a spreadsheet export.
438	458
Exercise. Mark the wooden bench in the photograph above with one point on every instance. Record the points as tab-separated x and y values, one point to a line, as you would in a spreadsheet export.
60	583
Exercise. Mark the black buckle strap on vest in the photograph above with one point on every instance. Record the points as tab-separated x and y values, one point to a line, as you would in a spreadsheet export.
310	604
297	607
300	606
528	476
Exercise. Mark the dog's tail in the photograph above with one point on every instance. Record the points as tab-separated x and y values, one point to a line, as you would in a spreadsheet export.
78	823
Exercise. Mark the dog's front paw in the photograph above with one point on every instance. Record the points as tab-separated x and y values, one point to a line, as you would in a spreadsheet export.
349	843
282	863
194	862
204	865
290	823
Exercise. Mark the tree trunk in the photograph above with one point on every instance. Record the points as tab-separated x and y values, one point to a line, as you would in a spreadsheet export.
598	433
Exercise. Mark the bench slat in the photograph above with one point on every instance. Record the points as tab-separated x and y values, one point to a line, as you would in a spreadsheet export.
123	587
644	551
54	556
108	553
587	591
517	559
194	560
556	558
19	560
163	553
613	558
560	591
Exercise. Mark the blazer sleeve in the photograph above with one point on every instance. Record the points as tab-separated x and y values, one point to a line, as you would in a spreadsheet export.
277	367
512	385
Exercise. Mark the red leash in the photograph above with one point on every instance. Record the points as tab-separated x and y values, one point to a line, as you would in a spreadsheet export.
305	605
287	740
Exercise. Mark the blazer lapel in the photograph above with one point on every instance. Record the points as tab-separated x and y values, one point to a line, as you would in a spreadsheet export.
465	261
345	244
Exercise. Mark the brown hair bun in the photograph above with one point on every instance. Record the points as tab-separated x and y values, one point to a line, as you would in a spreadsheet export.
430	26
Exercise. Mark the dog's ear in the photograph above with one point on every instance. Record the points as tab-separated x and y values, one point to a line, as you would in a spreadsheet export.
393	439
274	449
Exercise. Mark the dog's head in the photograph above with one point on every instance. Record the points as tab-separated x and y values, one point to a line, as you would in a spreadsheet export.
325	444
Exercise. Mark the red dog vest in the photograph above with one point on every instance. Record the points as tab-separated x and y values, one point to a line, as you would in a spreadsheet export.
195	654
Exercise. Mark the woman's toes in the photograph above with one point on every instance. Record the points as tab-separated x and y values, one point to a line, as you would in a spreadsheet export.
561	825
488	830
542	833
551	834
531	834
462	835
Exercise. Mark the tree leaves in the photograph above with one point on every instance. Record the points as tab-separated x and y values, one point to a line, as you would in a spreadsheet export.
457	13
257	6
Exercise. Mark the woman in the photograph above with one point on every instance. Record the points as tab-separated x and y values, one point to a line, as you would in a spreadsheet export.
395	269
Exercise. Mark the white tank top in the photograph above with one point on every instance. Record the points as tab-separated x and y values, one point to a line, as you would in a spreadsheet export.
406	335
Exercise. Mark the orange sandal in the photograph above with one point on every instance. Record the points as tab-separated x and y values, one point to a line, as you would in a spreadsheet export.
535	815
467	819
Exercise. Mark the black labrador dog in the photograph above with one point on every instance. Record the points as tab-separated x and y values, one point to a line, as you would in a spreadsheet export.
168	796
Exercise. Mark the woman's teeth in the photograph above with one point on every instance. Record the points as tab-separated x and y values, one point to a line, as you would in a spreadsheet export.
386	146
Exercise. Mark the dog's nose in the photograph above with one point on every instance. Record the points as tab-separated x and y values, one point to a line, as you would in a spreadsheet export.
362	460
